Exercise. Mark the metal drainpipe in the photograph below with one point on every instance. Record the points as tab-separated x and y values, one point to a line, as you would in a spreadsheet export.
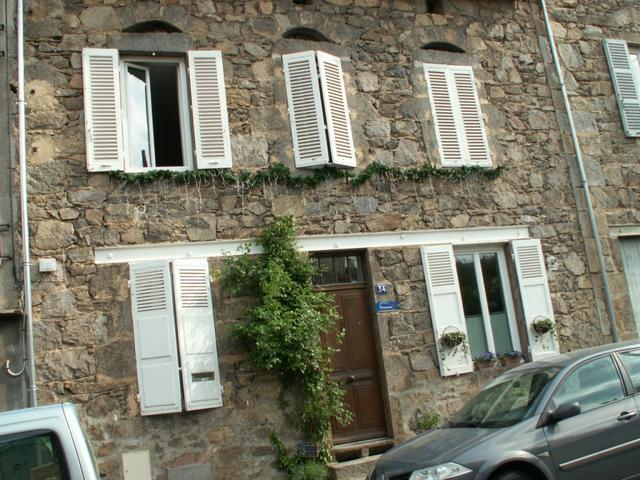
583	177
24	217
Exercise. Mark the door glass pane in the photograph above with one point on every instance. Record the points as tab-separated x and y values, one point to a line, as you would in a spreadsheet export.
495	302
325	264
631	362
471	304
592	384
137	117
348	269
32	457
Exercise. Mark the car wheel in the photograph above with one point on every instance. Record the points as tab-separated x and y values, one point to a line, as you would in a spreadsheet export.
512	475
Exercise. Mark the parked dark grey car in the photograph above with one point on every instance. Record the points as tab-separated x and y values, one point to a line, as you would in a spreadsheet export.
570	417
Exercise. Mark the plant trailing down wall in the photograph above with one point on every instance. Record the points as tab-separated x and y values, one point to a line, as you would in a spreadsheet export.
282	332
281	174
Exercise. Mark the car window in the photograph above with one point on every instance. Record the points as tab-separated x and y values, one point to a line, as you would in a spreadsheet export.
631	361
32	456
593	384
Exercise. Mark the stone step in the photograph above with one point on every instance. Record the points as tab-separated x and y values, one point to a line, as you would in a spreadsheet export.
357	469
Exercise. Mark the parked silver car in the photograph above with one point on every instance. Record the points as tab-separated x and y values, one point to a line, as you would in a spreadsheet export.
570	417
45	443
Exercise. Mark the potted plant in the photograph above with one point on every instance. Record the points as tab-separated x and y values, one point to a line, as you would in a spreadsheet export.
452	341
542	325
510	359
485	359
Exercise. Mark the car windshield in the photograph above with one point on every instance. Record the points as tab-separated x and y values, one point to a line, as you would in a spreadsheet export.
506	400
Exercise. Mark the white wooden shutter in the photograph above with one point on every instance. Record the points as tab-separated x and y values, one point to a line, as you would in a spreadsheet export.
336	110
626	87
155	338
534	291
197	335
102	110
445	303
209	109
305	109
474	138
457	117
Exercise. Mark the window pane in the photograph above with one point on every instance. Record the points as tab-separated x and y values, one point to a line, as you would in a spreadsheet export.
471	304
165	105
631	361
635	67
137	117
593	384
495	302
348	269
327	273
32	457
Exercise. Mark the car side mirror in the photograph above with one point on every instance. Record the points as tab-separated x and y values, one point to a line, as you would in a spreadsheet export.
566	410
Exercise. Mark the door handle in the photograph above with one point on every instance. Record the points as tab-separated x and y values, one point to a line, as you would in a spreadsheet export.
350	379
627	415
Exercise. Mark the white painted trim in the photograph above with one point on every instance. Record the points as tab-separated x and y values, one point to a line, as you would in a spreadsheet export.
316	243
624	231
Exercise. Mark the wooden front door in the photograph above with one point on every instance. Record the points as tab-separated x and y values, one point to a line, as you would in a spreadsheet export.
355	362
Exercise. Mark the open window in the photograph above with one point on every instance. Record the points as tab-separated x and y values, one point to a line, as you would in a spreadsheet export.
137	112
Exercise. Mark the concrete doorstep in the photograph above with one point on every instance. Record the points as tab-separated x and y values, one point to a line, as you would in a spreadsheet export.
357	469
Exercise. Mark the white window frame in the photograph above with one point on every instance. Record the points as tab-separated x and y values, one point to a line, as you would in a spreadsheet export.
183	104
634	51
506	291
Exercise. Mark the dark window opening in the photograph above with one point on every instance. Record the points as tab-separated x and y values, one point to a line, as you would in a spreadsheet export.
166	115
303	2
443	46
152	26
153	115
435	6
304	33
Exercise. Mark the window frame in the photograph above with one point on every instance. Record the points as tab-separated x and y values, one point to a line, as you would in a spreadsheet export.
184	101
56	445
506	292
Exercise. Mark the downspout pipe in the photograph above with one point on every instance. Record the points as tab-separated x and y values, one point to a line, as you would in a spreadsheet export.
583	177
24	214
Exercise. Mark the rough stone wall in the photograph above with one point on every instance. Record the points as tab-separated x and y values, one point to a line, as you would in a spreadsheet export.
611	159
83	322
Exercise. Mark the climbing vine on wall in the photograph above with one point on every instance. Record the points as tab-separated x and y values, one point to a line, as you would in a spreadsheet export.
283	330
281	174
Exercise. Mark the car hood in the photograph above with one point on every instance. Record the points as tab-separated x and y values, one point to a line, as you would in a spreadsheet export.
432	448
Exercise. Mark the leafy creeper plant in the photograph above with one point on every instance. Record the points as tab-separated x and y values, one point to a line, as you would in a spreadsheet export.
282	332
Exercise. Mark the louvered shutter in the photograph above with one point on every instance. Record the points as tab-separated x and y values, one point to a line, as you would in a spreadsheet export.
534	291
155	338
445	303
627	88
336	110
457	117
305	109
102	110
474	137
197	335
209	109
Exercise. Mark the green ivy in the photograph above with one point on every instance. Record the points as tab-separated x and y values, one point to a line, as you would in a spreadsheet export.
281	174
282	331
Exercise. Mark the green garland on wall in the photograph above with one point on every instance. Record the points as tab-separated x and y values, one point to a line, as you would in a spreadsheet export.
280	173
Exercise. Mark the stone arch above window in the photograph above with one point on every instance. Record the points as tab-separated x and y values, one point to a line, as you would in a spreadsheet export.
305	33
443	47
435	6
152	26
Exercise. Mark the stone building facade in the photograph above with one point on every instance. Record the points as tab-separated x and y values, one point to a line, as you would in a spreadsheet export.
102	228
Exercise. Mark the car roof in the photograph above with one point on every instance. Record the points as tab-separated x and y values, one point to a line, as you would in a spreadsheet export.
567	358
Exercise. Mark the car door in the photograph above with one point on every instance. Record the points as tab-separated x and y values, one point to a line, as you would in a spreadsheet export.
601	442
631	361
